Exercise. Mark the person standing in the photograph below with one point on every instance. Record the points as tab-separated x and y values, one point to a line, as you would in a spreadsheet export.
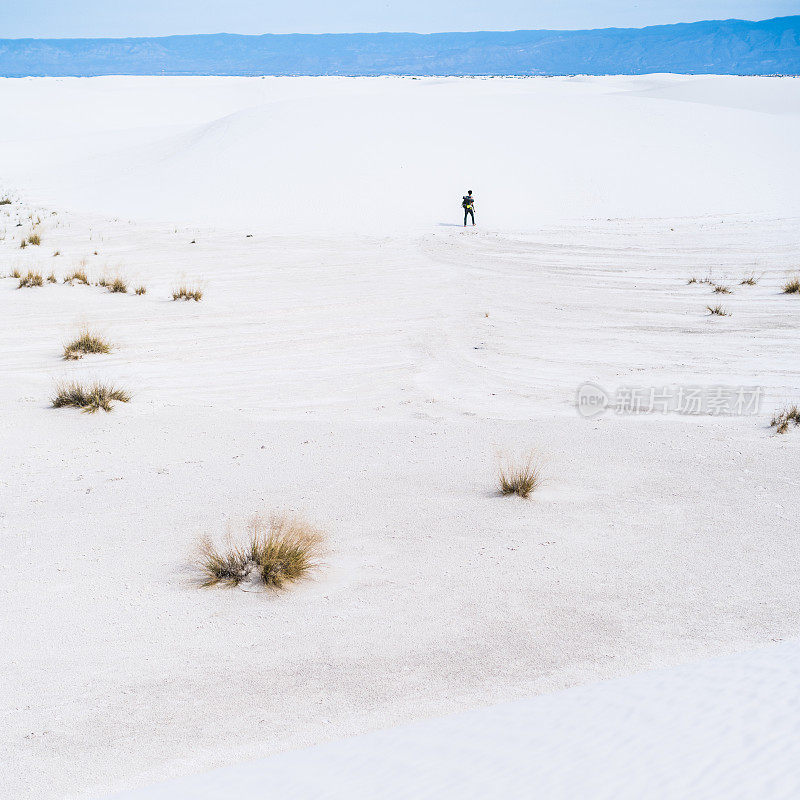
468	204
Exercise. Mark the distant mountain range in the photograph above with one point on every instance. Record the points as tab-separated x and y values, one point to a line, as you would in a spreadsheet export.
718	47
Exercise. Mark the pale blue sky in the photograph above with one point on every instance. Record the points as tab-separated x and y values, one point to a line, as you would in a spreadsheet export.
60	18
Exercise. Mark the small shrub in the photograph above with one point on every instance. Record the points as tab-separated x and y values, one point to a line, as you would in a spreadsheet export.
23	244
721	289
750	280
57	253
77	275
51	278
15	273
88	398
782	419
692	280
718	310
274	553
792	286
520	478
34	239
5	202
141	290
31	279
86	342
186	293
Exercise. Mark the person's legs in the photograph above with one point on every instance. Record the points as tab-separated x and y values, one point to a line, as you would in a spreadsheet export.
472	214
466	211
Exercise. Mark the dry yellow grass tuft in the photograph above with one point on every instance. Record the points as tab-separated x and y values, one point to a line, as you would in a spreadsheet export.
117	285
187	293
521	478
31	279
86	342
274	553
782	420
792	286
718	310
141	290
34	239
77	275
718	289
51	278
88	398
15	273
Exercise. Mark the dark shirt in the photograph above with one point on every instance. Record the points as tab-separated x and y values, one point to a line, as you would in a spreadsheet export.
467	201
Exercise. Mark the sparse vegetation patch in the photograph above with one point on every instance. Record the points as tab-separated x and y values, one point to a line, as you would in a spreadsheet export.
51	278
117	285
750	280
718	289
792	286
86	342
141	290
520	478
718	311
78	275
783	419
89	398
31	279
273	553
34	239
187	293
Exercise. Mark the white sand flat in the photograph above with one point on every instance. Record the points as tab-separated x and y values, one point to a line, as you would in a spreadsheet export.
342	365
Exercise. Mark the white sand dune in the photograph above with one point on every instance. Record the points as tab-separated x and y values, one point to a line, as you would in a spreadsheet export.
360	360
726	728
386	154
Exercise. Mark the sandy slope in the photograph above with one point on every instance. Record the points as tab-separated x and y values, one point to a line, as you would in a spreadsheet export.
357	378
724	728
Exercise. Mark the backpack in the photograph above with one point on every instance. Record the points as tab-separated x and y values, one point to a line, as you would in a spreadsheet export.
467	202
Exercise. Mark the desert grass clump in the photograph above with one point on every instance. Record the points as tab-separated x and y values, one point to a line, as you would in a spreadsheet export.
792	286
520	478
15	273
23	244
89	398
5	202
274	553
719	289
187	293
117	285
35	239
141	290
718	311
86	342
77	275
31	279
51	278
750	280
783	419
